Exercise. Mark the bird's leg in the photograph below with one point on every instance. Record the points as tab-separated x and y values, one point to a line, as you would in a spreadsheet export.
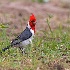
22	50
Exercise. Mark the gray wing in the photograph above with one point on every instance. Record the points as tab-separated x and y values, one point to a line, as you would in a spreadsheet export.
26	34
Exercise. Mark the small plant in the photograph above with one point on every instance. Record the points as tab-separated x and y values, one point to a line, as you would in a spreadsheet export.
3	26
48	21
40	1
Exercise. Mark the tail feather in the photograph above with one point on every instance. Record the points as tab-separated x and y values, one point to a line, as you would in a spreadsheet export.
6	48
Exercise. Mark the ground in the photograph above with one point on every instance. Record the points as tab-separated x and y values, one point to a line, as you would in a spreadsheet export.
16	14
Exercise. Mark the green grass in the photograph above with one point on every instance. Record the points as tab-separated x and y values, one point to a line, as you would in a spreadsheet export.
39	1
51	46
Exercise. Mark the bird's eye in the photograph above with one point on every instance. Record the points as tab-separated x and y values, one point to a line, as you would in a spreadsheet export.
32	21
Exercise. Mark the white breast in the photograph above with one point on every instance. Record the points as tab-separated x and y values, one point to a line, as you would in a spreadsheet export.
28	41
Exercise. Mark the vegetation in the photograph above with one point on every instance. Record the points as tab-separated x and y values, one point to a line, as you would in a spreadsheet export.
48	49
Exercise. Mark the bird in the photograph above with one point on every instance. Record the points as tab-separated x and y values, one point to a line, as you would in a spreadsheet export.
26	37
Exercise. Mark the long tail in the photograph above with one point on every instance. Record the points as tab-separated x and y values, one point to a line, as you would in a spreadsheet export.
6	48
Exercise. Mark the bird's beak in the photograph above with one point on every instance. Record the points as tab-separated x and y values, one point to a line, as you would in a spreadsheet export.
34	23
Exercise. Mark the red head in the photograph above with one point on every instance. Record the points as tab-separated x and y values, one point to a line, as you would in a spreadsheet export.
32	22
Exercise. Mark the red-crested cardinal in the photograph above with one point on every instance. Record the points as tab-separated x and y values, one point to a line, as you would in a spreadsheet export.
26	36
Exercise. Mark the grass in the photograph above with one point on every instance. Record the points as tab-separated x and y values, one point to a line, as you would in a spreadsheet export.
40	1
52	46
